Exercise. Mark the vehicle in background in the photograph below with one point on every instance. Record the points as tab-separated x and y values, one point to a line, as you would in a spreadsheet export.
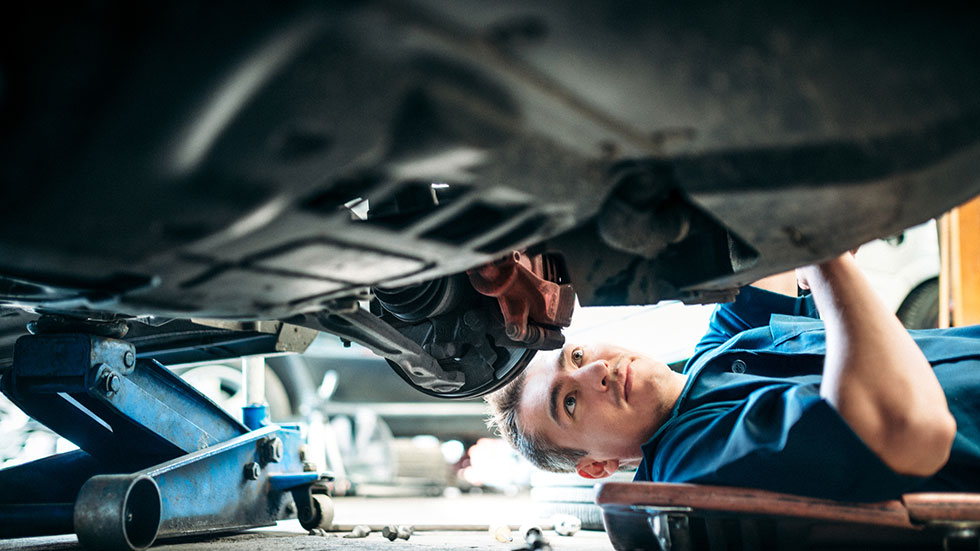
904	269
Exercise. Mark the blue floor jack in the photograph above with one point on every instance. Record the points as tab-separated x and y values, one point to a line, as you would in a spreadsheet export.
157	459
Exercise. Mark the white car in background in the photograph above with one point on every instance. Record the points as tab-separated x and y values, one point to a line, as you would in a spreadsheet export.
904	269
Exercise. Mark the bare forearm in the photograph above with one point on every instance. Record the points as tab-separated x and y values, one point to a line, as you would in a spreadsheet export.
876	376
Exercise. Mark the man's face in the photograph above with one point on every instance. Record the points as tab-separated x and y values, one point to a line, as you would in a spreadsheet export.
602	399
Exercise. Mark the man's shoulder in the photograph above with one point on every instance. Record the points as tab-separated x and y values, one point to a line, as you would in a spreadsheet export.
762	349
754	300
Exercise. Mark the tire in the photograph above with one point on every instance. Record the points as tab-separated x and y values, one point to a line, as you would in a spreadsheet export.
297	381
920	309
420	462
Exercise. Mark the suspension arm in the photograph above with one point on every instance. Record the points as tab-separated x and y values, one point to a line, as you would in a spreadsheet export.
349	321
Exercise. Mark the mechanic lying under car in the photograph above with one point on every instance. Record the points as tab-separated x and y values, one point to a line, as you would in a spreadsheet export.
854	407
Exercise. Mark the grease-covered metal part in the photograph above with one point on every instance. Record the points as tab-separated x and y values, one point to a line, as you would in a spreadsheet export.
485	324
427	299
361	326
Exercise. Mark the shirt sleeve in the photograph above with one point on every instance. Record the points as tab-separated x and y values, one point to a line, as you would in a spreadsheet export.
784	438
752	308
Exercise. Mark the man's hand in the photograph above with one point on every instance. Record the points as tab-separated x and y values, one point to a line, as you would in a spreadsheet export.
875	375
802	279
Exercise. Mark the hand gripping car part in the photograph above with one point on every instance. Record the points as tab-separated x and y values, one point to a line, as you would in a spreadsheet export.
149	441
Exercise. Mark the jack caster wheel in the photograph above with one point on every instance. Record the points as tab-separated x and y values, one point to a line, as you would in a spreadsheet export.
322	516
118	512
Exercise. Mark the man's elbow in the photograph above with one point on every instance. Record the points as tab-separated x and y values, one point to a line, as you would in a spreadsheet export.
922	447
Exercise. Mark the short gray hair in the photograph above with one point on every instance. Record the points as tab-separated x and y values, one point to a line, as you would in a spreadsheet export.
538	450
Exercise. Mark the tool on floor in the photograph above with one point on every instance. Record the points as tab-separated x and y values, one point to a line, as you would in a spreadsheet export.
566	525
359	531
501	533
393	532
534	538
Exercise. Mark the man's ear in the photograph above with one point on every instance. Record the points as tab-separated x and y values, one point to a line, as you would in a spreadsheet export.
590	468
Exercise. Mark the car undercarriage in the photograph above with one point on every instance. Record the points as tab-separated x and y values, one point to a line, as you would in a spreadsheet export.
167	164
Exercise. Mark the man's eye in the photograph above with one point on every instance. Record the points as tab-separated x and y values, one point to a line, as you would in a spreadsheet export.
570	405
577	356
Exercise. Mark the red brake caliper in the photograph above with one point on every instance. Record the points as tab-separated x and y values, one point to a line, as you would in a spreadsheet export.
534	307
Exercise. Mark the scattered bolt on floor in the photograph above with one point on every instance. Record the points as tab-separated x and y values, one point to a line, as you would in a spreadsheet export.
359	531
393	532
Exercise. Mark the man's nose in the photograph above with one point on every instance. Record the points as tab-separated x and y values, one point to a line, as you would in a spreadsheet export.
595	375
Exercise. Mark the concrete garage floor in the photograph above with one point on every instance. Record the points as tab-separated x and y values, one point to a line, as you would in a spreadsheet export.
465	509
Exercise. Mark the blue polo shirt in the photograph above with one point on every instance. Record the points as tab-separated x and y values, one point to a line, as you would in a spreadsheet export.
751	415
